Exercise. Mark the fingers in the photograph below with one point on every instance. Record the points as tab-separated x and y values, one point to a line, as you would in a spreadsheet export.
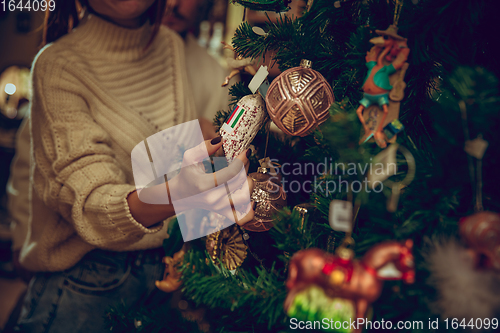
242	194
251	184
240	187
237	181
235	204
239	215
239	208
243	157
201	151
240	200
237	167
213	145
246	218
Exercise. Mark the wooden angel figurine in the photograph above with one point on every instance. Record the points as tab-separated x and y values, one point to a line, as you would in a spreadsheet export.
171	277
384	86
238	65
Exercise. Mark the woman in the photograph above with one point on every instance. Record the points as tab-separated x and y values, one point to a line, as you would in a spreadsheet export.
98	90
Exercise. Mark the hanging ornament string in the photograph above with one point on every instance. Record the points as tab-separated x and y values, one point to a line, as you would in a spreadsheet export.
303	209
268	129
342	217
345	250
465	128
397	11
474	148
357	206
246	237
265	162
479	185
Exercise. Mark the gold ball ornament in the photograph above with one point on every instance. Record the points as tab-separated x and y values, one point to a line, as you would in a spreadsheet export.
269	197
299	99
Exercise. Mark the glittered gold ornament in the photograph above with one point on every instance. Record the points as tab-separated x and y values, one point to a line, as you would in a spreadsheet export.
269	197
227	246
299	99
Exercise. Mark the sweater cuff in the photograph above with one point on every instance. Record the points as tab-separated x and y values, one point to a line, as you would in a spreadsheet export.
120	216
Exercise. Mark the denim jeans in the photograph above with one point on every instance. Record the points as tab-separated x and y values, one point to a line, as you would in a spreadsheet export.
78	299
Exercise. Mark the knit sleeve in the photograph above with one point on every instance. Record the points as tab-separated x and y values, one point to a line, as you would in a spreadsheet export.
76	173
18	187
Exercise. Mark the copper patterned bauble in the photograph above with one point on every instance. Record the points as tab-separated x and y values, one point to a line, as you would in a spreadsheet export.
269	197
299	99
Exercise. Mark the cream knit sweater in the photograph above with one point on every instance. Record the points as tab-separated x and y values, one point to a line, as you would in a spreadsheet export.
96	94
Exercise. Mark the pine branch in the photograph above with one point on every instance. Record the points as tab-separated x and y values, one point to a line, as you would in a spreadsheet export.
237	92
264	5
244	294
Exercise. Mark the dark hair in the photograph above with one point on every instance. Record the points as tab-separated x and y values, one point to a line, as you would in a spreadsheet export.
65	17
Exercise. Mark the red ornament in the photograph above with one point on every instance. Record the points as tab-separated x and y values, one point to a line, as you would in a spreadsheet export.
363	282
344	266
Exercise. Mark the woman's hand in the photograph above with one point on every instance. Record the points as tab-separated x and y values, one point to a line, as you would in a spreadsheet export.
219	192
226	192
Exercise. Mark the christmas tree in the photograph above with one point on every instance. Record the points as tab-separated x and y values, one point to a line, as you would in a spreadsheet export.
451	100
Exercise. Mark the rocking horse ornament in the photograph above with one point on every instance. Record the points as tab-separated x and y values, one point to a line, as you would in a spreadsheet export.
383	87
358	281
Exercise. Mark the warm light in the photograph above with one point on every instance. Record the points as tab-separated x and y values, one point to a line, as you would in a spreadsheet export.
10	89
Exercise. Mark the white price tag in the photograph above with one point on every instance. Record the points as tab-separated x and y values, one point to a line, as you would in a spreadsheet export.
340	215
258	79
259	31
